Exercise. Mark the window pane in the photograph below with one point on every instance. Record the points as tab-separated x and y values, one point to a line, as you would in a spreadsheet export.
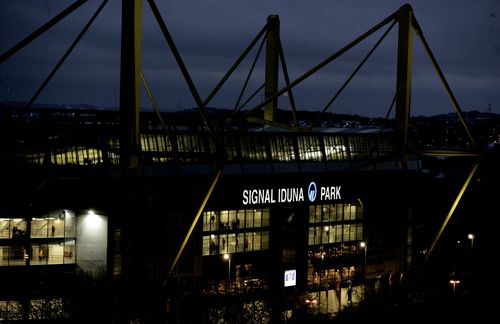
249	218
309	148
282	149
223	243
4	228
265	240
335	149
39	227
258	218
69	251
69	224
265	217
18	228
55	253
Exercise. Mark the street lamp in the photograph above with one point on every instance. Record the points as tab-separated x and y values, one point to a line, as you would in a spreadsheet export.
228	257
364	246
454	283
321	274
471	238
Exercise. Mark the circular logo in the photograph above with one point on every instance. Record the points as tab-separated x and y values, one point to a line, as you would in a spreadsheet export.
312	191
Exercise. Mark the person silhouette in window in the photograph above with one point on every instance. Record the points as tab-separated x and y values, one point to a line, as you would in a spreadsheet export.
52	231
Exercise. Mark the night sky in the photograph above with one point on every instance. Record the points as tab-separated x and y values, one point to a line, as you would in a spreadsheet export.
464	36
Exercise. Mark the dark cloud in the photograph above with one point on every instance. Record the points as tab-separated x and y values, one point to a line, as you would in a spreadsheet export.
211	34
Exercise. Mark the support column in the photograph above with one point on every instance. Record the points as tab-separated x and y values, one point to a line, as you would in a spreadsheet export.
131	290
403	90
272	64
130	83
403	98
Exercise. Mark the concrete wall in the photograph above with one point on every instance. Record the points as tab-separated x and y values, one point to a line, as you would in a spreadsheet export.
91	243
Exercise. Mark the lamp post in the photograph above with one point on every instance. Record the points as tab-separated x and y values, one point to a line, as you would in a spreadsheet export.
454	283
321	274
228	257
364	246
471	238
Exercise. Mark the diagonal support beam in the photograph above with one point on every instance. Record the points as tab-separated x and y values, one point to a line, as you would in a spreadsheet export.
41	30
287	82
219	145
235	65
182	66
324	63
250	72
356	70
247	101
447	87
193	224
66	54
452	209
152	99
449	153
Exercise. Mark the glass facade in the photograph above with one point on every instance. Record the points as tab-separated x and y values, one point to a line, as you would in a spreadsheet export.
195	146
335	149
334	254
253	148
234	231
282	148
310	148
51	237
335	223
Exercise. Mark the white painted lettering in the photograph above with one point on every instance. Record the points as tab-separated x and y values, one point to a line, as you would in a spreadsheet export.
301	194
245	197
286	195
323	192
337	192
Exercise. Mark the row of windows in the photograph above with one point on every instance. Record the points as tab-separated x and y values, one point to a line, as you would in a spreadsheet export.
335	213
335	234
57	224
322	231
54	239
216	244
332	276
325	254
67	154
159	148
235	219
40	254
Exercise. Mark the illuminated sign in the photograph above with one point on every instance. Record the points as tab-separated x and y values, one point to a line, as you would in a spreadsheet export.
312	191
290	278
290	195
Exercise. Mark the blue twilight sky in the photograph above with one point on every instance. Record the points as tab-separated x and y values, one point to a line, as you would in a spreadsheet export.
464	36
